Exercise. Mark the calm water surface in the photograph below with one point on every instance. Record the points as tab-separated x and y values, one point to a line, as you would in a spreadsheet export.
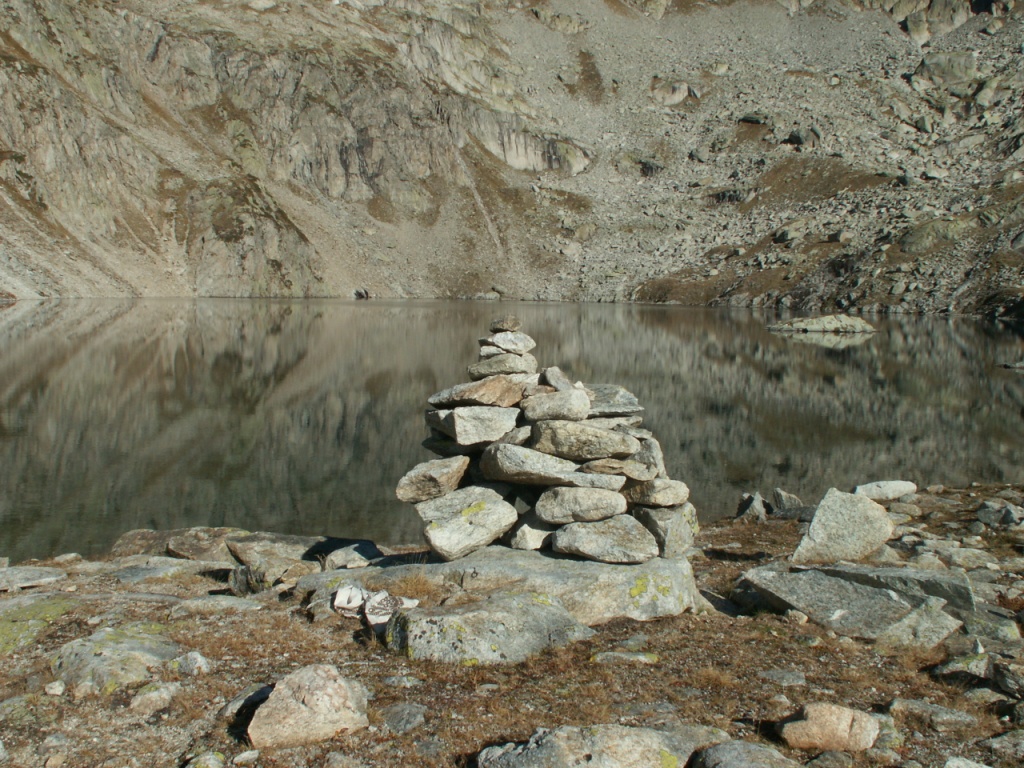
300	417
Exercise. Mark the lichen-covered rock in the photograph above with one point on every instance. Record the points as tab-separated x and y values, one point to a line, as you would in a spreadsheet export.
25	576
503	629
604	746
466	520
24	618
113	658
312	704
593	592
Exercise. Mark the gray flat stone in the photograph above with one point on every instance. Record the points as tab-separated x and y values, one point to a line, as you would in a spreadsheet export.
938	718
473	424
404	716
580	441
431	479
658	493
503	629
275	555
25	576
742	754
612	400
924	627
516	464
603	745
619	539
569	405
914	584
630	468
886	490
214	605
1008	747
849	609
502	364
516	342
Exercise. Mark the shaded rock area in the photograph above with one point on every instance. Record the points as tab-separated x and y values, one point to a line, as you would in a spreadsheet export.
170	667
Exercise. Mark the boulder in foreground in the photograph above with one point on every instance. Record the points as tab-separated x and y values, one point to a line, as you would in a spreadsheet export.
310	705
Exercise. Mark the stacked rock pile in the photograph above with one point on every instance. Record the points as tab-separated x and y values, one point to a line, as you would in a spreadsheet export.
539	462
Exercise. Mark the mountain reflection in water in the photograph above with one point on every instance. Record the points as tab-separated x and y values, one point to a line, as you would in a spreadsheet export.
300	417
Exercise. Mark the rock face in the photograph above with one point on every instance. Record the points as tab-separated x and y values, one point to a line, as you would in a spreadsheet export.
845	527
399	124
563	454
310	705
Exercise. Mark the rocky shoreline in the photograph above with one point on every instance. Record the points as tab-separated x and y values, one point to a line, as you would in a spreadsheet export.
156	655
567	605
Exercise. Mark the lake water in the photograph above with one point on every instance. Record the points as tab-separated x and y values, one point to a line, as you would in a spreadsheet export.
300	417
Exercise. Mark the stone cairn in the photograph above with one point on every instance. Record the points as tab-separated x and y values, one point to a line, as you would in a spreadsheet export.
537	461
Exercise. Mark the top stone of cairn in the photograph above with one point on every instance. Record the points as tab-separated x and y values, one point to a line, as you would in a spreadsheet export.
508	323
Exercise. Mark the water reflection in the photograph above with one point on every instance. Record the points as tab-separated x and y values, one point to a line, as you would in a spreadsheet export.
301	416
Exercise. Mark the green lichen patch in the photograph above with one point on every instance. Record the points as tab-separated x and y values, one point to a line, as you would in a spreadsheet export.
21	623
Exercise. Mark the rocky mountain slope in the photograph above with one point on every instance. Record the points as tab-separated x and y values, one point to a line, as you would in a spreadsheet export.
747	153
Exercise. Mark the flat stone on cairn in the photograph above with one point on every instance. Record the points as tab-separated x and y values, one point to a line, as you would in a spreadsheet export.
544	462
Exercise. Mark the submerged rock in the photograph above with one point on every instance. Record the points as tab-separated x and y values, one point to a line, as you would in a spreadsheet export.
834	324
593	592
